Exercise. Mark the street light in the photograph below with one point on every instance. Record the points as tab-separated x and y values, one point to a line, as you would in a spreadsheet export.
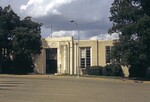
77	52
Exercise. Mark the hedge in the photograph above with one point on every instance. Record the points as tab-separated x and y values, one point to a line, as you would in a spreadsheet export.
108	70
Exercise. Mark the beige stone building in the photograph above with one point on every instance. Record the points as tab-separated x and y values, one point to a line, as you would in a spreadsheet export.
64	55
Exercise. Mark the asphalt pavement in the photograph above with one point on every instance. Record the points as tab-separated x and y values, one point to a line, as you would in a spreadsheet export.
71	89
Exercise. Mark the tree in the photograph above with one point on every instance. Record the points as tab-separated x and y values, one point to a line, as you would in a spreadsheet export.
20	40
145	5
8	22
131	19
26	43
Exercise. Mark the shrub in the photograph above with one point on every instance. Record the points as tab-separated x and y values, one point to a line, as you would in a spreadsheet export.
95	70
112	70
117	70
107	70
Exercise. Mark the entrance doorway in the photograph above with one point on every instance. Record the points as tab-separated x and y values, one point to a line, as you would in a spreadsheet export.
51	61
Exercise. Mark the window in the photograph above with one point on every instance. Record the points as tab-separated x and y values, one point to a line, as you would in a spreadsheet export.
88	57
108	49
82	57
85	57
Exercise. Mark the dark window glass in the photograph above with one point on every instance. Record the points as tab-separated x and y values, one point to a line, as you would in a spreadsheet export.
108	54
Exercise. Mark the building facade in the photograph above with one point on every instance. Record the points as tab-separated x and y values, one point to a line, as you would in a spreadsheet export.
67	56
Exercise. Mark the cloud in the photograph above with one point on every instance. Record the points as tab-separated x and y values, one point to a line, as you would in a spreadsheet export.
38	8
82	35
106	37
91	16
64	33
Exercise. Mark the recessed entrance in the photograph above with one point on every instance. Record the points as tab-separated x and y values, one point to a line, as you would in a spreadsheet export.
51	60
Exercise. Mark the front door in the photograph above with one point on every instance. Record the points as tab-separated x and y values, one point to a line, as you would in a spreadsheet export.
51	60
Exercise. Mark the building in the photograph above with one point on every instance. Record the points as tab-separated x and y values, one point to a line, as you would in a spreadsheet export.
62	56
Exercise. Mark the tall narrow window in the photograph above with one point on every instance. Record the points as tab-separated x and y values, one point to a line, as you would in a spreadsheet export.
85	57
88	57
108	48
82	57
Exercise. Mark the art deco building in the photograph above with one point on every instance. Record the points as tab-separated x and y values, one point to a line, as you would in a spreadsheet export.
64	55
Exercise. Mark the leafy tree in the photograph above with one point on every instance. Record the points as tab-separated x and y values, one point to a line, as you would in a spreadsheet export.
20	40
26	43
145	5
131	19
8	22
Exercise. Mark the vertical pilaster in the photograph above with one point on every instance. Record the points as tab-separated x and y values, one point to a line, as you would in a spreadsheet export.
59	59
65	59
71	58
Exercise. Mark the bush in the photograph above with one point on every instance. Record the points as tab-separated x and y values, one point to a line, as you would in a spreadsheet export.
108	70
117	70
112	70
95	70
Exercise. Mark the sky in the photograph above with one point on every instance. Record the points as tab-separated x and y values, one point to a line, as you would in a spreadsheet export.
91	17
